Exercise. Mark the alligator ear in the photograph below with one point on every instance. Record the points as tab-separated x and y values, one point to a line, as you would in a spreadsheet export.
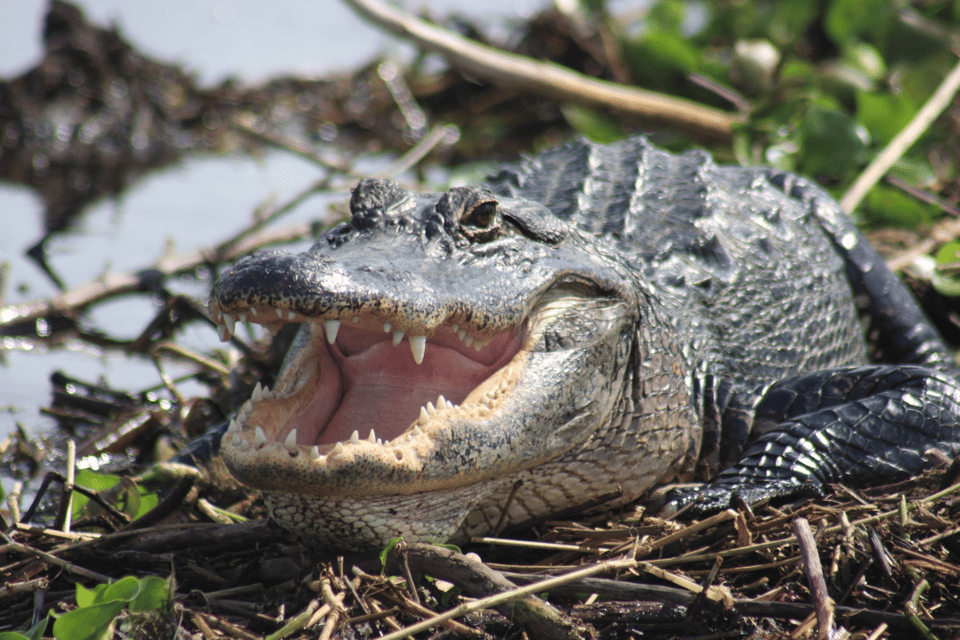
534	220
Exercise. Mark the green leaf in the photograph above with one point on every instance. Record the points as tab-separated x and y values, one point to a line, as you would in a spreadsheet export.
590	6
670	52
154	594
36	631
892	206
797	70
87	623
833	144
86	597
908	42
946	285
12	635
865	59
387	549
148	500
597	126
668	15
449	547
123	590
134	500
949	254
916	171
884	114
945	278
94	481
919	81
789	21
850	20
130	495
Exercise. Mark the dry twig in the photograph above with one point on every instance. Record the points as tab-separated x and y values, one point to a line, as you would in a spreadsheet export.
902	141
818	586
548	79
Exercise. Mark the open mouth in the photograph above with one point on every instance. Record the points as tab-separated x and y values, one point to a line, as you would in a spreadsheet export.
356	384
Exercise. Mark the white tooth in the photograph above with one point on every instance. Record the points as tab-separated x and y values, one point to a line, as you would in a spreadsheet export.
468	340
315	452
455	328
338	448
379	442
243	316
223	334
331	327
279	313
397	337
355	438
442	404
291	442
254	311
386	327
273	328
260	438
237	440
230	322
233	427
478	345
416	430
266	394
431	409
244	445
462	333
291	315
418	345
372	438
424	416
356	319
257	394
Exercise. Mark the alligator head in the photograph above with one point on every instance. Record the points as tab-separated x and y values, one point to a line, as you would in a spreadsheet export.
448	343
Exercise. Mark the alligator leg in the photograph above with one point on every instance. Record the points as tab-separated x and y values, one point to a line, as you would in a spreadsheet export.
905	334
863	425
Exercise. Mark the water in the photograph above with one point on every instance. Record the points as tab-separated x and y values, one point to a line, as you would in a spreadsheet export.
195	204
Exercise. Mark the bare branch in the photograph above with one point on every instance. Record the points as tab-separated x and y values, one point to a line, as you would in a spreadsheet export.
550	80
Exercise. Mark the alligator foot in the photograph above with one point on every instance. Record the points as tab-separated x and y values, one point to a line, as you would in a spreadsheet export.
862	425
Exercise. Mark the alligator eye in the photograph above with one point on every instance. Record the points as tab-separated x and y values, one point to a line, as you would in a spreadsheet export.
481	222
482	215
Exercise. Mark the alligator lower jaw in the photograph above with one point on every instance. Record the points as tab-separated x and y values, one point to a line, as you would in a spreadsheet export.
356	412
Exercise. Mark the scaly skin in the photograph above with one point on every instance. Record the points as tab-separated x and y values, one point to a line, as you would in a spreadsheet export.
598	319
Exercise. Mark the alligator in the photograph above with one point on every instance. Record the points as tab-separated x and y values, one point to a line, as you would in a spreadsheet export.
586	324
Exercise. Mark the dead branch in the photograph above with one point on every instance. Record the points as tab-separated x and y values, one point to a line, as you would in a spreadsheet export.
822	602
478	581
902	141
146	279
520	73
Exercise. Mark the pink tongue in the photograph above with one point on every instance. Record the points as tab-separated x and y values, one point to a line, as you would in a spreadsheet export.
385	388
